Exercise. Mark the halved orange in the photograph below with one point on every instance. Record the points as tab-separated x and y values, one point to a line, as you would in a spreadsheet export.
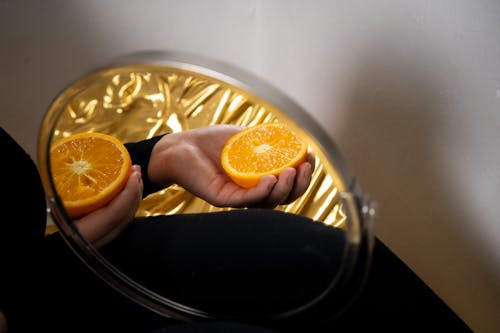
89	170
261	150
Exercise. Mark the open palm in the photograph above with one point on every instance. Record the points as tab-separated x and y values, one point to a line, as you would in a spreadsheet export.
191	159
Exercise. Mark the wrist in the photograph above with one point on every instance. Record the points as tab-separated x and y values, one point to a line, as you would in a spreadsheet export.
164	160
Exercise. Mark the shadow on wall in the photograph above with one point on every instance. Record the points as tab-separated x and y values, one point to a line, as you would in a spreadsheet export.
394	117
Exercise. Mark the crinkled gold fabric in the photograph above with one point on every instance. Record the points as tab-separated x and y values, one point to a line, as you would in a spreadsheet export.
141	101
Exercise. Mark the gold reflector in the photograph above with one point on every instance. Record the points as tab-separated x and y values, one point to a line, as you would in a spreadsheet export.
141	101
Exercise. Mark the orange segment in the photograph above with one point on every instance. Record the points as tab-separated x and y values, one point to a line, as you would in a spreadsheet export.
261	150
89	169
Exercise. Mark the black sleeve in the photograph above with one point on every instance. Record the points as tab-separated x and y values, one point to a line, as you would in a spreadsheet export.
140	153
22	225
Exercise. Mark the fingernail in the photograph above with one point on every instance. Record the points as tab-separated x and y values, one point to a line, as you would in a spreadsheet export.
307	174
136	170
290	181
271	185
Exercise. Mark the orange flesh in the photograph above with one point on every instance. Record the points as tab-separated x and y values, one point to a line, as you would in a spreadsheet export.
89	169
258	151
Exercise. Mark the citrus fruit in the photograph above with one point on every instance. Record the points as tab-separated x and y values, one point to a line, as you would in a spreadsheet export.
89	169
261	150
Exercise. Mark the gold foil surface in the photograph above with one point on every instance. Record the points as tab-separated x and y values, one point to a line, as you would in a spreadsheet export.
141	101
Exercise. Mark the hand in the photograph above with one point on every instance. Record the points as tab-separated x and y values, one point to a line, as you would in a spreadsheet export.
103	225
191	159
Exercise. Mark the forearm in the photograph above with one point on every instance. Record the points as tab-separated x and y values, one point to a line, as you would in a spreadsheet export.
191	159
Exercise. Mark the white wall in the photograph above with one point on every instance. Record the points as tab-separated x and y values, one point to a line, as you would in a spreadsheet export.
410	90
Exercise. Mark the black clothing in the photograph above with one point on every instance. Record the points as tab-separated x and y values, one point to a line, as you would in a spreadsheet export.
244	260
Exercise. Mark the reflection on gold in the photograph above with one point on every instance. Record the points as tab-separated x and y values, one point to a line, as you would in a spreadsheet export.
141	101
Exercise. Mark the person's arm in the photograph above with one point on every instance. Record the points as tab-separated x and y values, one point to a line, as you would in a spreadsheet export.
190	159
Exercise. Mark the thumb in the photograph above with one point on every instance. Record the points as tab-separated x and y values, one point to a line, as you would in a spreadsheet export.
104	224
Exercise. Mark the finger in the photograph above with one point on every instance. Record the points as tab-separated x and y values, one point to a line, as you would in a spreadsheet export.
128	204
301	183
130	207
255	195
302	180
281	190
312	161
98	226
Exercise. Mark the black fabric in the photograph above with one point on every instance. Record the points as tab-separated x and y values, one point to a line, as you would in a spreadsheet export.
395	299
212	327
244	263
22	227
229	257
80	301
140	152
